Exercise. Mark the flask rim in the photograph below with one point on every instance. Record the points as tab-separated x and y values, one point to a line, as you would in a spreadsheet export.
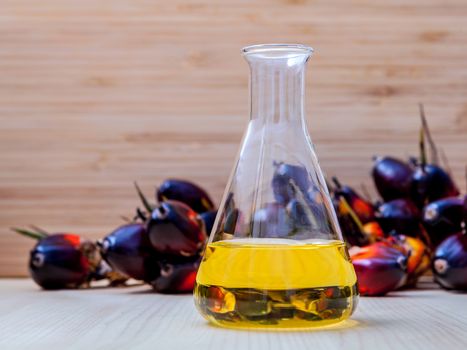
277	50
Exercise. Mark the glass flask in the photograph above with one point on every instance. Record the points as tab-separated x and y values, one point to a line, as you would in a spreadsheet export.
275	257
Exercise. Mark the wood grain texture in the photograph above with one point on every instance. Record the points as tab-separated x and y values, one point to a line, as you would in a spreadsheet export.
96	94
136	318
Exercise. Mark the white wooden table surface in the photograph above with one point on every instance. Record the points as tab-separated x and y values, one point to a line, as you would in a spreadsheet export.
137	318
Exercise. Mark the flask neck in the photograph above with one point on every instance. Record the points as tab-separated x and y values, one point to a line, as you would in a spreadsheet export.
277	84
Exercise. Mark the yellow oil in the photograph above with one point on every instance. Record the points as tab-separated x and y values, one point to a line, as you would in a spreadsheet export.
276	283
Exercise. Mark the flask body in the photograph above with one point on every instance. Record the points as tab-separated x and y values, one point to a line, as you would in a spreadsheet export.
275	257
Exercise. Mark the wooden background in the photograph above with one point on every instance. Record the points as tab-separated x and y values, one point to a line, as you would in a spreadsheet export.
96	94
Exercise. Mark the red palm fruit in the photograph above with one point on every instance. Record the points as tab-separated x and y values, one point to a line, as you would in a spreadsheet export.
217	299
418	255
373	229
364	209
380	268
351	226
59	260
176	277
65	260
351	232
423	255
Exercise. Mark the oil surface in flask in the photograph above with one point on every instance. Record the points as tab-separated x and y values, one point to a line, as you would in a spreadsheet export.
249	282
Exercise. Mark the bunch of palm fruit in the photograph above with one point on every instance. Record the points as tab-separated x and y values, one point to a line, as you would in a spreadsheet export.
161	245
420	223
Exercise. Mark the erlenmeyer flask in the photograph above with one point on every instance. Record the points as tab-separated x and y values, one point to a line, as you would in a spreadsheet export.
275	256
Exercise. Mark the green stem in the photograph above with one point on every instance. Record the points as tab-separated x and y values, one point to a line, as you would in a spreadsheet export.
40	230
366	193
425	237
352	214
445	161
336	182
126	219
426	129
30	234
301	199
143	198
466	184
422	148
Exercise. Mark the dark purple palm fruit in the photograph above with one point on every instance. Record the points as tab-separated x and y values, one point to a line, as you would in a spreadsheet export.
464	227
128	250
58	261
186	192
177	276
392	177
300	215
450	262
306	210
399	215
379	268
208	217
273	219
444	217
230	218
429	181
361	207
285	177
316	202
175	229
